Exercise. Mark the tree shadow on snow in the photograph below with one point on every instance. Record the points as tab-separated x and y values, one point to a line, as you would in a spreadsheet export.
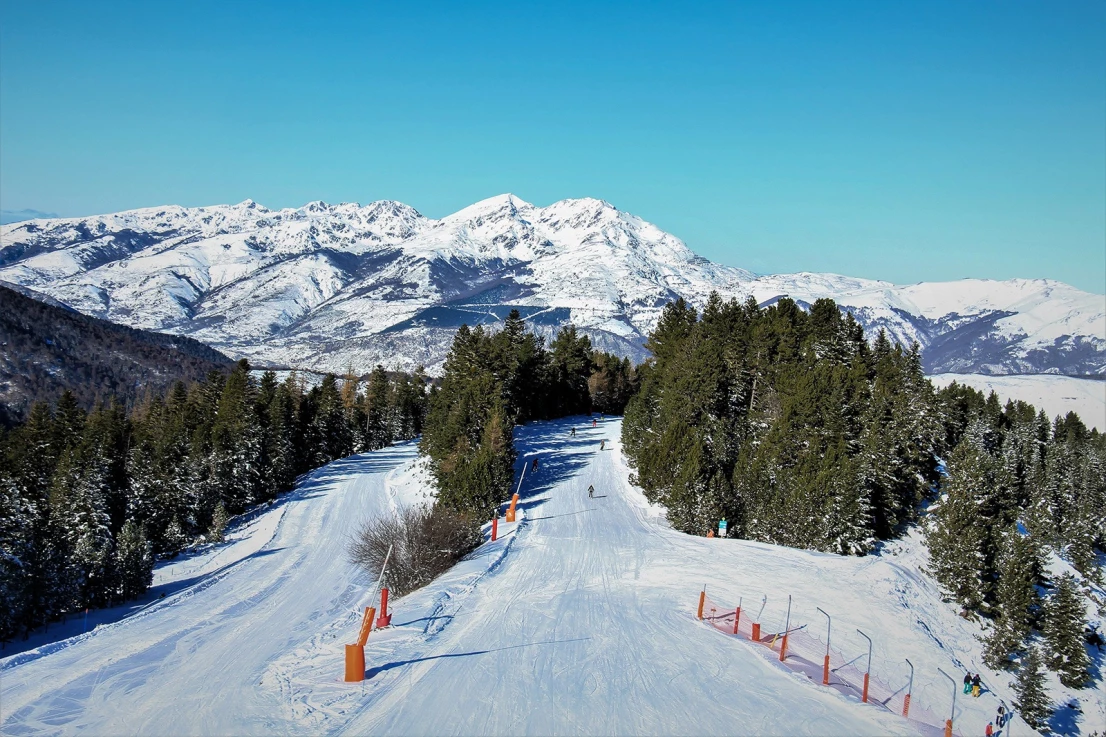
555	516
1065	720
373	672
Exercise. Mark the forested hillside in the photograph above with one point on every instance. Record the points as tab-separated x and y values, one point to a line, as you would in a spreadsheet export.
87	499
492	381
798	431
46	350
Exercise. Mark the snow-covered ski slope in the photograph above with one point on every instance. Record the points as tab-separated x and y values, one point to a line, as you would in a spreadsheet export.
580	619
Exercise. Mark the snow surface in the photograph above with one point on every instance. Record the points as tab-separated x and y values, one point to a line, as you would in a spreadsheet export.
321	286
580	619
1056	395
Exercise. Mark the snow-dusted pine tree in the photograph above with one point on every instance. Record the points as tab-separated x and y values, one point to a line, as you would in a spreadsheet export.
1063	631
1032	704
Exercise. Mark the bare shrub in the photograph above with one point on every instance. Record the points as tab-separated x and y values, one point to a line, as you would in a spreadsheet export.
426	541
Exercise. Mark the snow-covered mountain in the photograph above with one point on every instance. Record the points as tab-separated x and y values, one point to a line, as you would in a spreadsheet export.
325	286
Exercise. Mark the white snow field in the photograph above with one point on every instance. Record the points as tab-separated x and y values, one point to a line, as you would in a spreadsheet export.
1056	395
580	619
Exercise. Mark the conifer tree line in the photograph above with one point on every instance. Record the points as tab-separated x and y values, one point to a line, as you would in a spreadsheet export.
89	499
786	423
799	431
494	380
1019	487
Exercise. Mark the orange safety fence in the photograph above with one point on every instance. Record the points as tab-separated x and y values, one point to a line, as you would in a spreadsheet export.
805	652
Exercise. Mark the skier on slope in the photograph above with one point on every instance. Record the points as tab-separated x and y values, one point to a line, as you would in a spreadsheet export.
591	491
602	444
977	685
572	433
968	682
989	732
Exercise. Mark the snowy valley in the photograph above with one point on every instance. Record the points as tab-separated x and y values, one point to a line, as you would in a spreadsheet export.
579	619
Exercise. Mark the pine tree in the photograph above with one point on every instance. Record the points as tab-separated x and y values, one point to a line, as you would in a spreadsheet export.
175	537
236	445
16	556
956	538
1032	703
80	504
379	425
219	519
1063	632
1016	600
134	560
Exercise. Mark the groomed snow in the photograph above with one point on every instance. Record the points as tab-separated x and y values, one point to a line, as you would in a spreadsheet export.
1056	395
580	619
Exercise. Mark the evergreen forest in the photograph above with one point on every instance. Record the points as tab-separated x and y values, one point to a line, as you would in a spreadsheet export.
799	431
89	499
492	381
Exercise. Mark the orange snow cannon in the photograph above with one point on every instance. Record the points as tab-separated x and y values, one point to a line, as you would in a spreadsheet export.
355	654
511	509
355	663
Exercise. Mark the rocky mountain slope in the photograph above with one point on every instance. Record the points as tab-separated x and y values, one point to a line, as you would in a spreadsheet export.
324	286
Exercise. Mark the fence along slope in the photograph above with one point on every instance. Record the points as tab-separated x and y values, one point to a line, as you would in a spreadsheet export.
805	653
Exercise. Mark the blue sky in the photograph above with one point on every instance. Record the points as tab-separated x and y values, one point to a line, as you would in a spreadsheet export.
901	141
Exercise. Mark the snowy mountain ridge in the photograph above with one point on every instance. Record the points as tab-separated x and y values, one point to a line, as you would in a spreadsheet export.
325	286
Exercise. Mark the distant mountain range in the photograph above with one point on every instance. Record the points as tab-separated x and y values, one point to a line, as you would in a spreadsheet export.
326	286
47	348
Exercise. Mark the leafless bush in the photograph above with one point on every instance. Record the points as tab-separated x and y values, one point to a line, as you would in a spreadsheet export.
426	541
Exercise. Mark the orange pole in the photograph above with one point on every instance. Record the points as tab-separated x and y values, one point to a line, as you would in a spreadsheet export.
948	728
736	620
865	697
756	631
702	600
783	647
825	672
906	706
495	527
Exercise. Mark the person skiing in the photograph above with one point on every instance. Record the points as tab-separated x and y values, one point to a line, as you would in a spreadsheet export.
572	433
990	730
1001	718
602	444
977	685
968	682
534	466
591	491
593	422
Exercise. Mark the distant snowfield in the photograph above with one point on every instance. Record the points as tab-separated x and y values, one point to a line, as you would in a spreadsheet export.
580	619
1056	395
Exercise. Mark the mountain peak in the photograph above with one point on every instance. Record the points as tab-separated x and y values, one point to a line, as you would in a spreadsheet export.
506	204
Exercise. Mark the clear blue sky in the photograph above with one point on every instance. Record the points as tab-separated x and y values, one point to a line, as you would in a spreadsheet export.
902	141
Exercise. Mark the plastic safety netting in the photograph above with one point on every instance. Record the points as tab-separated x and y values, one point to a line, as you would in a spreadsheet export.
805	652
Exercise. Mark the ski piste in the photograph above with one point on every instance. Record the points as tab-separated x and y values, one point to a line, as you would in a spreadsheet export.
579	619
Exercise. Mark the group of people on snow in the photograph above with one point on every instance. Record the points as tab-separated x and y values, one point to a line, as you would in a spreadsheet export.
972	684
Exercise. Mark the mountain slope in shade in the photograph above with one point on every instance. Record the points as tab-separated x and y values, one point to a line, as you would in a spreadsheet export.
323	286
46	349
